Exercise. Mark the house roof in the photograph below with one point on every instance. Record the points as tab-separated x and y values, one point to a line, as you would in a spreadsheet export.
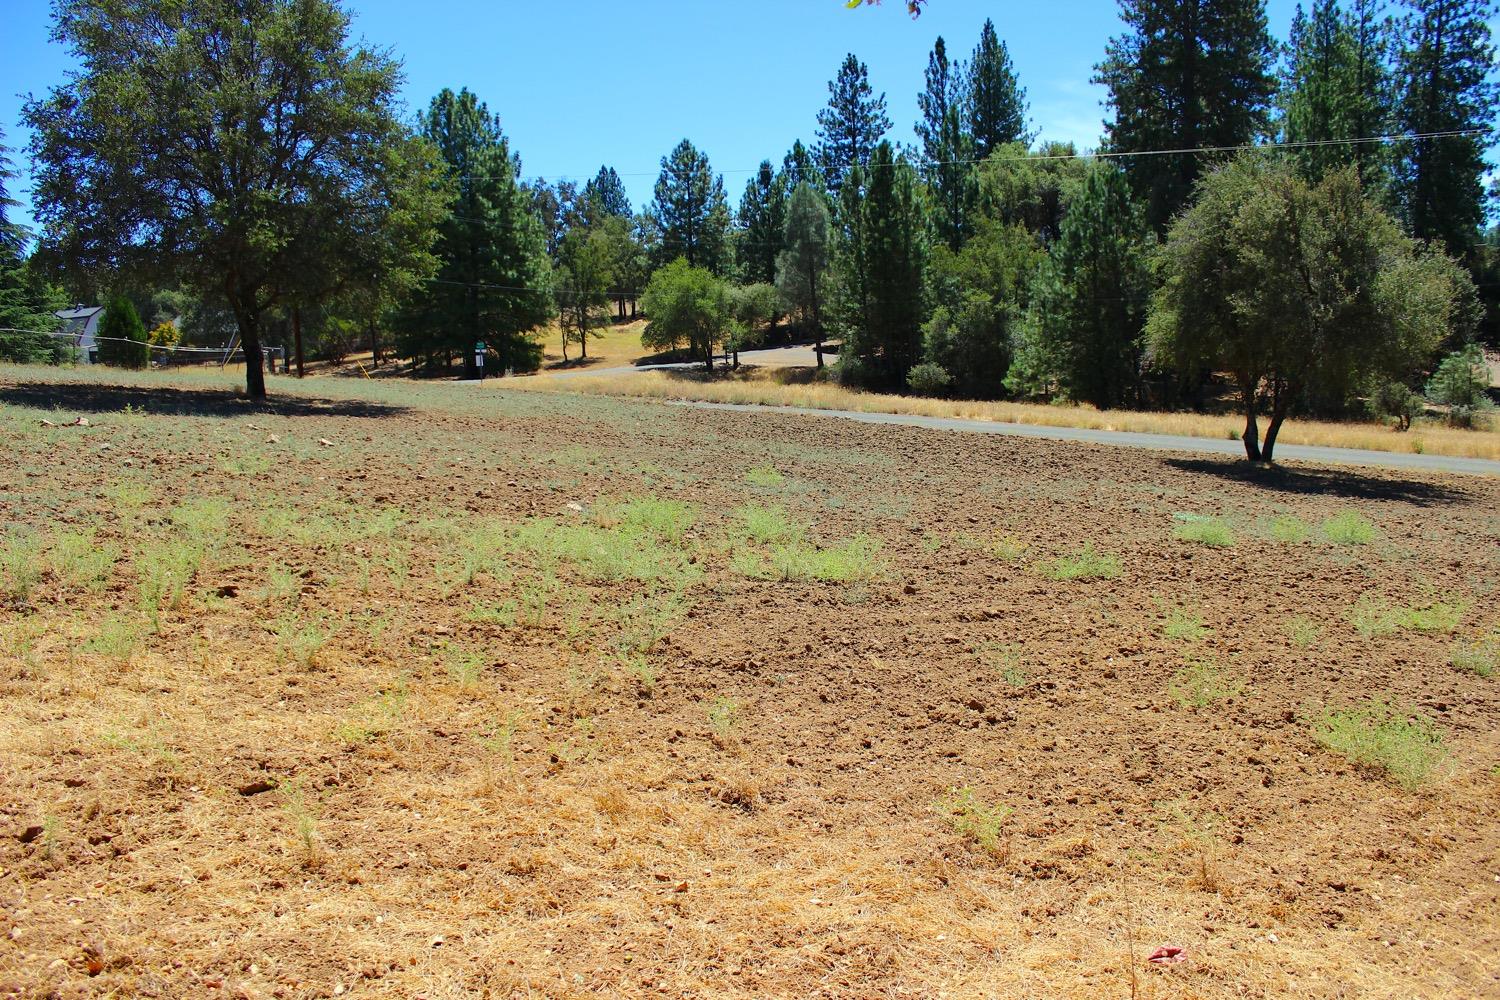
80	312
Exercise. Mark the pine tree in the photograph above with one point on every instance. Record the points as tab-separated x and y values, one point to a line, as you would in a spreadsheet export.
885	330
801	165
494	279
690	211
603	197
1091	300
1187	74
762	221
947	145
122	336
24	316
1444	77
852	123
996	99
1337	85
801	269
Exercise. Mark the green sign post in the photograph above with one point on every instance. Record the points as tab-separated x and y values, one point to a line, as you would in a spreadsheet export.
479	359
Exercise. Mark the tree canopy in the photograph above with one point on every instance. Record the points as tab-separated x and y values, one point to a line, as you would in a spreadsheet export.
1290	285
243	148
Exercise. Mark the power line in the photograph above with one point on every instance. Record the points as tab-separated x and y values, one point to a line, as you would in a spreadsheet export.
1101	154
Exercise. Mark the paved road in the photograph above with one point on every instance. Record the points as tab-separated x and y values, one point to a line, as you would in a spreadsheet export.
773	357
1132	439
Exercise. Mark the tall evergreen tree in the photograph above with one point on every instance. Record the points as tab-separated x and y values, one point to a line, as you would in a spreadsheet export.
603	197
762	221
996	99
1445	78
25	318
885	330
947	146
1337	85
690	211
1186	74
802	268
852	123
801	165
1091	301
494	279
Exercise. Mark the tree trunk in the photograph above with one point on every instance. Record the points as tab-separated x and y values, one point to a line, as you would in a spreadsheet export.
297	337
1269	445
255	374
817	318
583	340
374	344
1252	432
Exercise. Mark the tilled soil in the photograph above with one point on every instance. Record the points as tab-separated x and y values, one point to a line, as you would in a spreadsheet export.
329	770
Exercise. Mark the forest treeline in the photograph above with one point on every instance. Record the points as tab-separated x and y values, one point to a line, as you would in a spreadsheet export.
1306	217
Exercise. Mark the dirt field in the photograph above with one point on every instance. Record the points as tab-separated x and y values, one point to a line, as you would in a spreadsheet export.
413	691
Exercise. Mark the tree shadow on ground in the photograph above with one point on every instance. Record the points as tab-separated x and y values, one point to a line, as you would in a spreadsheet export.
176	401
1324	482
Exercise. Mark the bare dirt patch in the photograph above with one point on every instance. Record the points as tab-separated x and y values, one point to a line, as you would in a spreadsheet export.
445	694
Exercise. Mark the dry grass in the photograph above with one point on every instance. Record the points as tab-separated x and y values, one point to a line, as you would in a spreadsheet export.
766	388
616	344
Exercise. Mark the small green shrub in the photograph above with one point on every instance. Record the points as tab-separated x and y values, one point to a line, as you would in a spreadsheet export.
21	563
1285	528
1203	530
724	719
1375	734
1349	528
1373	617
1301	631
667	519
80	560
852	559
1085	564
764	477
970	816
768	524
929	379
1480	658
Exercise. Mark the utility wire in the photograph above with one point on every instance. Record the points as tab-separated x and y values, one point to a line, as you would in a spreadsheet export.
1103	154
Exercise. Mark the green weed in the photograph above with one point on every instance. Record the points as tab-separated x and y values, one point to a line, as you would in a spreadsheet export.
1375	734
666	519
282	586
1184	626
1349	528
1087	563
115	639
21	563
80	560
853	559
1286	528
768	525
1210	531
764	477
1301	631
1373	617
971	817
299	639
1201	682
1480	657
466	666
724	719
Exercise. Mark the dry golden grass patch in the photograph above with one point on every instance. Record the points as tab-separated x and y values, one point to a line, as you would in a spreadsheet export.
766	387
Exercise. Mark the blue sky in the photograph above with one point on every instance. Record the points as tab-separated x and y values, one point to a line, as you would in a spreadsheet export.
580	83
